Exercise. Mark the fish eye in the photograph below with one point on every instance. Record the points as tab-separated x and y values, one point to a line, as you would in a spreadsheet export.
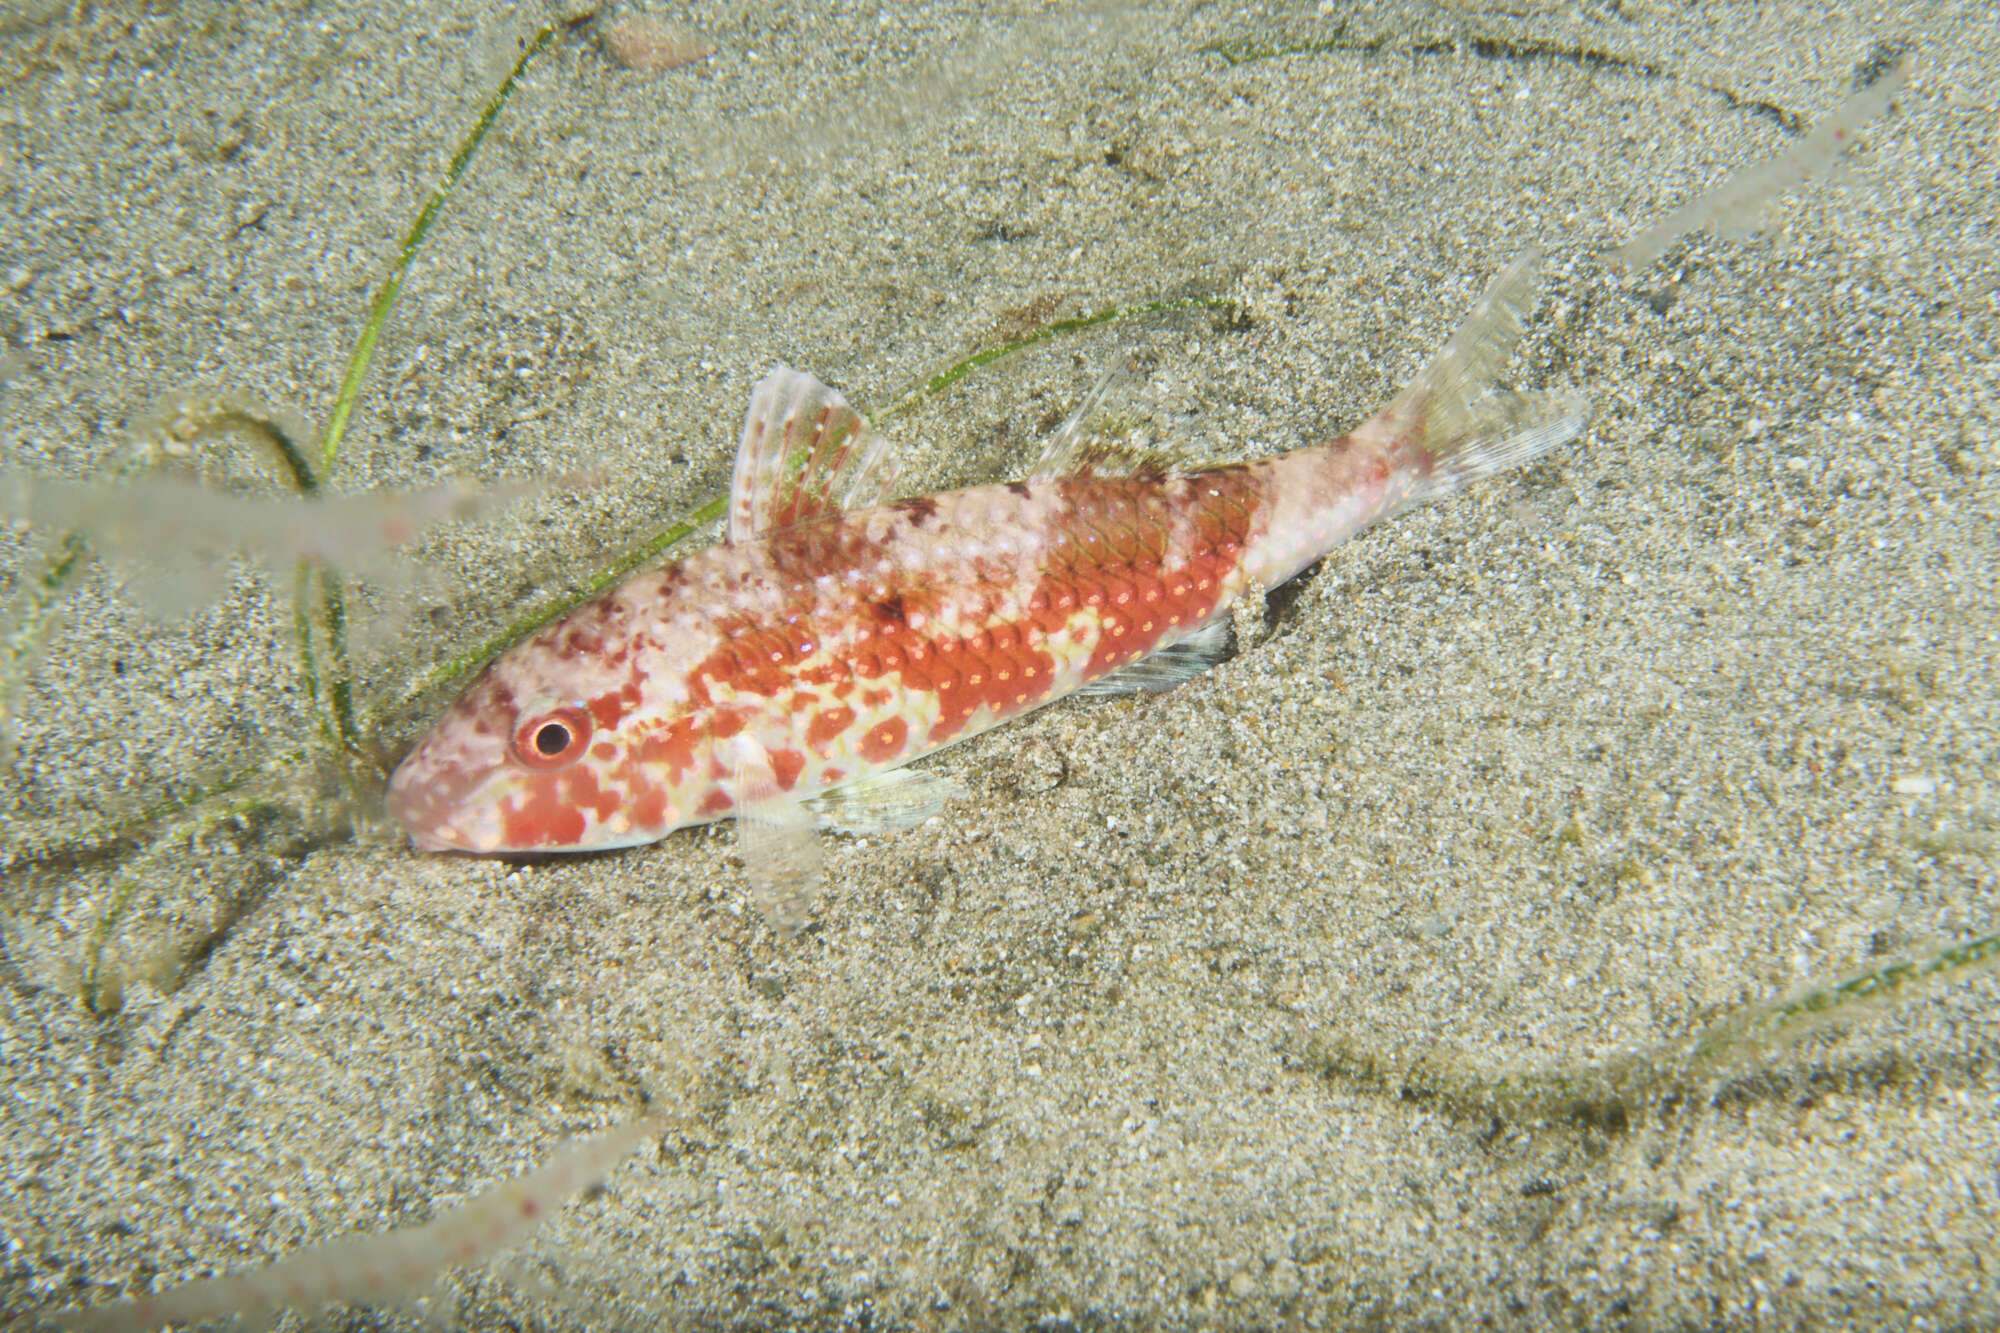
553	739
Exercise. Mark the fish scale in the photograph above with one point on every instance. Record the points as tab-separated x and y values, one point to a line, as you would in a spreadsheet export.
828	641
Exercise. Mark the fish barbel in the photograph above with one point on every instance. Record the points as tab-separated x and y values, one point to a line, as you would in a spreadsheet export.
830	640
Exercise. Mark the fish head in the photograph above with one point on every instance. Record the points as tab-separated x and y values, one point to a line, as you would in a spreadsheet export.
566	743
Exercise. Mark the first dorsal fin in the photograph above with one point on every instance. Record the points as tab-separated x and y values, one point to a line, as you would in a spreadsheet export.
804	452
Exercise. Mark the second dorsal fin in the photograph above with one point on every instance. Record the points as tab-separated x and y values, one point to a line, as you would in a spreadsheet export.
804	452
1095	437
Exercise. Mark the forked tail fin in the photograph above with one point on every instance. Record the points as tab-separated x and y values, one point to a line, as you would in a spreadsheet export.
1454	416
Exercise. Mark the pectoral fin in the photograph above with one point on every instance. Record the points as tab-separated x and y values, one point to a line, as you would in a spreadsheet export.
885	802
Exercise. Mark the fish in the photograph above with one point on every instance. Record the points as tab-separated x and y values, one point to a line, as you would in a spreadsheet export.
785	676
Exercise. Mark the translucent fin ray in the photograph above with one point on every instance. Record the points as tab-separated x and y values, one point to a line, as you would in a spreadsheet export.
1071	444
1167	667
804	452
1453	413
1083	443
782	854
775	834
885	802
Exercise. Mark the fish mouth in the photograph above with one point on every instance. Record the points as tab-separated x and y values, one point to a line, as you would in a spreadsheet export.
431	842
430	800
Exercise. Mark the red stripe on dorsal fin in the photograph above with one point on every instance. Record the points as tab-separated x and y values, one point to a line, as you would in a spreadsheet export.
805	452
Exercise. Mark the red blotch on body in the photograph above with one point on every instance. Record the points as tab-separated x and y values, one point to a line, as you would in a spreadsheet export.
786	765
541	817
580	641
829	672
606	709
649	807
918	667
884	741
579	786
827	724
673	748
1115	578
743	663
989	680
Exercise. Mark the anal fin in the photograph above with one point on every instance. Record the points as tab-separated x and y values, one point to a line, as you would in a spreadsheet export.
1172	665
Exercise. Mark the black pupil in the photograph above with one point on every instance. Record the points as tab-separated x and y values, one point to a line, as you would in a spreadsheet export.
551	739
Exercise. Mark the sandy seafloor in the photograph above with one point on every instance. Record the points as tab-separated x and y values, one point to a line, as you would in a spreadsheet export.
1189	1013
